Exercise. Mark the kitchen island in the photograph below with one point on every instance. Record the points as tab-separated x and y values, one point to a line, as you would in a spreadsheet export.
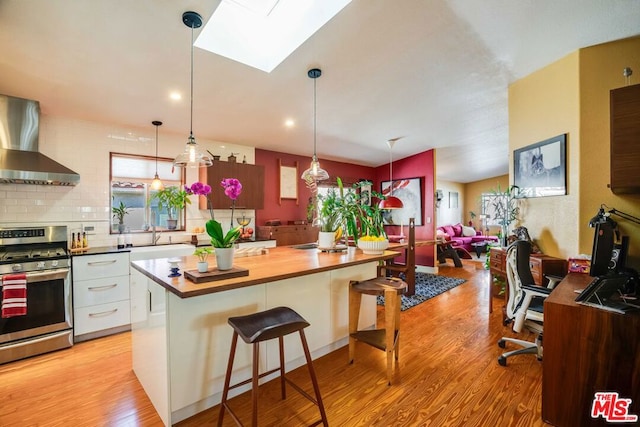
181	339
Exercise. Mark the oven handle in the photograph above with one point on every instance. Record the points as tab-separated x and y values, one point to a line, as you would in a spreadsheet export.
43	276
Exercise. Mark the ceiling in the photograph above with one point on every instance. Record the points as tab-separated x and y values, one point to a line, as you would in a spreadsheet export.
433	72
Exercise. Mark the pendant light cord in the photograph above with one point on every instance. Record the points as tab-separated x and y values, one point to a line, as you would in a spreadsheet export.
315	102
191	96
391	170
156	149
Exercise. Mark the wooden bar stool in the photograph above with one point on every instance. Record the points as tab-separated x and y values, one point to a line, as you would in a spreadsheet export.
387	339
266	325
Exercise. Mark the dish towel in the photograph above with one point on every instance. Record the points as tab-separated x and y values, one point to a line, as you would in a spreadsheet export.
14	295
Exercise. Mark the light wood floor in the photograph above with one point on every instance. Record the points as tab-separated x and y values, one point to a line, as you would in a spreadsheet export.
447	376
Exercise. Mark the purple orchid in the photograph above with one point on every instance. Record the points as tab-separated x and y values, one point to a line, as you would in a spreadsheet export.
200	189
232	187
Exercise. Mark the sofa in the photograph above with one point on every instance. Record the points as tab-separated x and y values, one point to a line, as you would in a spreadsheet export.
462	236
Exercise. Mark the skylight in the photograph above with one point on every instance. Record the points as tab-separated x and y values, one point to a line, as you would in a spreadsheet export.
262	33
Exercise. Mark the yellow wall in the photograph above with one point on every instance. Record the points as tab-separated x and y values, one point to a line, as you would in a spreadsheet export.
541	106
572	96
446	214
600	71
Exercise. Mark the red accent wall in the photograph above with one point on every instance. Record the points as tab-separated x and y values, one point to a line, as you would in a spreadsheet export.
419	166
289	210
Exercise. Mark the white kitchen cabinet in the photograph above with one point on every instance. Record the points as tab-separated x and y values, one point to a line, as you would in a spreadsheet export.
100	295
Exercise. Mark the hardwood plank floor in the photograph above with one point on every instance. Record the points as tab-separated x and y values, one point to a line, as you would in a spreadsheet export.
447	375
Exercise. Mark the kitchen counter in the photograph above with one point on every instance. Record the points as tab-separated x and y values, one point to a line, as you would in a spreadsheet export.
181	338
278	264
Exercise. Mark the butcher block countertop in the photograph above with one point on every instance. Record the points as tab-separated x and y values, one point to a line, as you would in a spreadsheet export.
278	264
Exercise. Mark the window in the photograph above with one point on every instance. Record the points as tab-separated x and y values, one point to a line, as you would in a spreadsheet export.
131	177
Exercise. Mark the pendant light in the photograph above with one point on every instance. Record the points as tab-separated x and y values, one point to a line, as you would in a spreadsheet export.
156	184
391	202
193	155
315	172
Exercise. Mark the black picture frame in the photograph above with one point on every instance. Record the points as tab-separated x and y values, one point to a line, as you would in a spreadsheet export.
409	190
540	169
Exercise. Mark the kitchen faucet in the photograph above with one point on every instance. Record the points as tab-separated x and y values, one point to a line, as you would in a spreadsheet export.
154	238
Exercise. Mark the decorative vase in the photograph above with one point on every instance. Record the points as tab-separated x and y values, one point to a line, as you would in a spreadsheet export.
326	239
224	258
121	228
172	224
203	266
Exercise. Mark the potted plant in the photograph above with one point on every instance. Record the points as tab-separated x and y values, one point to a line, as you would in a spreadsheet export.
329	218
173	199
203	253
223	243
506	208
119	212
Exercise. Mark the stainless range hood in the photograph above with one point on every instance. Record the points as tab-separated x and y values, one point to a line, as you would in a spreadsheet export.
20	161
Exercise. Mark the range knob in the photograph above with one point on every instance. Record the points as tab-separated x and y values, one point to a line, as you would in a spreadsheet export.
40	264
54	263
16	267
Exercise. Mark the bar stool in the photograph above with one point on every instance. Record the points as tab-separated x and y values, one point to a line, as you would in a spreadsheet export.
387	339
266	325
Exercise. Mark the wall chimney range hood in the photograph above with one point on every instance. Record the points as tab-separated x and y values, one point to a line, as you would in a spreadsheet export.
20	161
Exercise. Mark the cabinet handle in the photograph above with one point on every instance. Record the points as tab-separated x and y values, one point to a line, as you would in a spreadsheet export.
98	263
103	313
102	288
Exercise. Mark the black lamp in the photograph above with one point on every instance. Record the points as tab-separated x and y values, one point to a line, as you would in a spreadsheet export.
604	216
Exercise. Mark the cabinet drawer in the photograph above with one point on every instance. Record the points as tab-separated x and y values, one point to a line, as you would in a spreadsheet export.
100	291
99	317
104	265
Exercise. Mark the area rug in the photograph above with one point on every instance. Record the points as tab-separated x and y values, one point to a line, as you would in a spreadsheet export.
427	286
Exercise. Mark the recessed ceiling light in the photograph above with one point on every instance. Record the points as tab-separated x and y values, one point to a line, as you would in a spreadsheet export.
289	123
262	33
176	96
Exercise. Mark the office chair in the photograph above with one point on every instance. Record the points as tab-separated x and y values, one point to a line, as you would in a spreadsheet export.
406	270
525	302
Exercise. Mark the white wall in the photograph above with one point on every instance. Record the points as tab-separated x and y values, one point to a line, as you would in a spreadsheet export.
84	147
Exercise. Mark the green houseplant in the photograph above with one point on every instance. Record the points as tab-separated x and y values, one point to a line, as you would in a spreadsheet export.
119	212
173	199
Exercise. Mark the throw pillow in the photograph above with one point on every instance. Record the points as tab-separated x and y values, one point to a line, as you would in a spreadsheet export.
468	231
449	230
457	230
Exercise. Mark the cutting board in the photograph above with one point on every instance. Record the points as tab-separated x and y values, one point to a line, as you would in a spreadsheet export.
215	274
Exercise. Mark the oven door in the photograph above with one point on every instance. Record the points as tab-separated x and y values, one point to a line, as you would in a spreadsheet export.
48	307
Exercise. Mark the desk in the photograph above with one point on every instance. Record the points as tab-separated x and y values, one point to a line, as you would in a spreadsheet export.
586	349
541	265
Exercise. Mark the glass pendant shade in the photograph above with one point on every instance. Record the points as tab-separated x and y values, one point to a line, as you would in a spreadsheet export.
156	184
315	172
193	156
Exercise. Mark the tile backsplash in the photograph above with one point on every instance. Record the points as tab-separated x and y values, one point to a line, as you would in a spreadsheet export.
84	147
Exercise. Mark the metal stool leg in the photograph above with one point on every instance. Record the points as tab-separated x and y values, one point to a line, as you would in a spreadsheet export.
282	378
390	304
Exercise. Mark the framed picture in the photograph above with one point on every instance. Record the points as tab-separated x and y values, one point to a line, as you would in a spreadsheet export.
365	194
410	192
288	182
453	199
540	169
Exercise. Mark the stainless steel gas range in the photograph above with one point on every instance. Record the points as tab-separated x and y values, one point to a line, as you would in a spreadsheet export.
41	254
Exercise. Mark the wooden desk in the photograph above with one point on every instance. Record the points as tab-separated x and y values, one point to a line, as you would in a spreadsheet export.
540	264
586	349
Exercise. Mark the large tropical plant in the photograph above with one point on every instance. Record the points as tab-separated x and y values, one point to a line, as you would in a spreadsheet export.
505	205
173	199
329	218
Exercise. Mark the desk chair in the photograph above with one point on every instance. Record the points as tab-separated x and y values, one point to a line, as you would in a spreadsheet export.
525	303
406	270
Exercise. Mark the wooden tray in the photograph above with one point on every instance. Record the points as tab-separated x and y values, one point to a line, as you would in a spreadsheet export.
215	274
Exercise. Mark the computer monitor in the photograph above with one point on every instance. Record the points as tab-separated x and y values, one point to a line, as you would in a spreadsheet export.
602	249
